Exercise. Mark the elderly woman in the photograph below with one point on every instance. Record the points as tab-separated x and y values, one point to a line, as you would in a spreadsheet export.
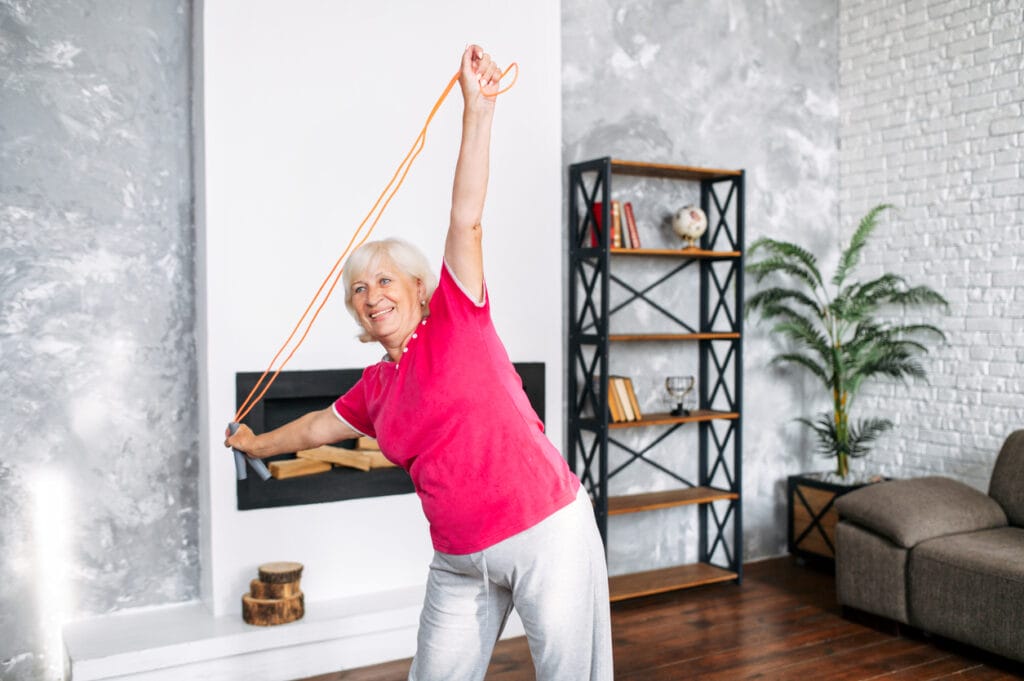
511	525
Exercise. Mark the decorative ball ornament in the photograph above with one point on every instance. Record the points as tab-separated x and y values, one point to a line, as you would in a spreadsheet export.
690	223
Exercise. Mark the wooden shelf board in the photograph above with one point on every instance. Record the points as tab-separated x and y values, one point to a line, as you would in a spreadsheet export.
652	501
623	337
663	419
652	582
696	253
671	171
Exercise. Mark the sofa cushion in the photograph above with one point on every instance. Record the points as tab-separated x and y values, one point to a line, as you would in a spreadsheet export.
871	573
970	587
1007	484
907	512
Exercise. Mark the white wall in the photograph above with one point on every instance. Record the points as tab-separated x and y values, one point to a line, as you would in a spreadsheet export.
306	110
931	121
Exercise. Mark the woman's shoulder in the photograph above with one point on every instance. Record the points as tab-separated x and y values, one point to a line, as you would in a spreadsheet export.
455	289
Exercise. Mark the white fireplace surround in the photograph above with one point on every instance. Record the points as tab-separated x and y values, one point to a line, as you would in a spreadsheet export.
302	114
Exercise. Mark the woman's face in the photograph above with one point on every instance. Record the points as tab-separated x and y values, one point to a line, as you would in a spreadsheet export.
387	301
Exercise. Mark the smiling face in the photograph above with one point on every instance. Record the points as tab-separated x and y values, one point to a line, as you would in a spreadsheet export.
387	303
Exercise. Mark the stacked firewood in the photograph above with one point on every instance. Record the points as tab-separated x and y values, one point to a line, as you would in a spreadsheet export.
364	457
275	597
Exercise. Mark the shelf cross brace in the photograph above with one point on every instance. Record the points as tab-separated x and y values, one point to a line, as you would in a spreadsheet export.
641	456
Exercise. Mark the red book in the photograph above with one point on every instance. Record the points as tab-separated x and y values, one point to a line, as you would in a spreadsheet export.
634	235
595	231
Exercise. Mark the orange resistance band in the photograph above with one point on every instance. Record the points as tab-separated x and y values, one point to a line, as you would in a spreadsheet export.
382	202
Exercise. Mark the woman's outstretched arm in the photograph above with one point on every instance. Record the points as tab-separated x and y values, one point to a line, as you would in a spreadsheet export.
306	432
478	80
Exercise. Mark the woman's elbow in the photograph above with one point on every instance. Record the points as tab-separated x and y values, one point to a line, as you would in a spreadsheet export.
467	230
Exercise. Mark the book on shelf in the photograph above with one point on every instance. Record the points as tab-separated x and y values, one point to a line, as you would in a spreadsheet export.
616	407
617	225
630	220
634	403
619	385
615	404
624	233
622	403
595	228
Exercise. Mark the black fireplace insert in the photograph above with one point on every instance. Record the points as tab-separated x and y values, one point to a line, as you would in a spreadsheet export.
295	393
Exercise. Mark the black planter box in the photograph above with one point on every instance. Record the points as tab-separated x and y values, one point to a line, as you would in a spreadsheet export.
813	517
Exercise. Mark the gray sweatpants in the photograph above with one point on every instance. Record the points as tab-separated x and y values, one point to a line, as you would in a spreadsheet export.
555	576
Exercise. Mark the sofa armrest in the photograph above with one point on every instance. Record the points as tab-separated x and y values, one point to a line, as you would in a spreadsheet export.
907	512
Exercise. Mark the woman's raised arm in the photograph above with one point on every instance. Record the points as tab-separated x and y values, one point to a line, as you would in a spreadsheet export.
478	80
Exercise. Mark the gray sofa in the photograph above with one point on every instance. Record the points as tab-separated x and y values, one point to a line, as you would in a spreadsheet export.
939	555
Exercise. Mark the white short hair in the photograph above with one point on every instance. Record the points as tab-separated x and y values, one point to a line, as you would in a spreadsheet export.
407	258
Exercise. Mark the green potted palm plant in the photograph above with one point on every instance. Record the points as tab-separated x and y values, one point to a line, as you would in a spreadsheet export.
844	333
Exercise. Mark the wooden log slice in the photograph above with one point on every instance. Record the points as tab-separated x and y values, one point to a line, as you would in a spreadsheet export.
296	468
336	455
264	590
266	612
280	572
367	443
377	459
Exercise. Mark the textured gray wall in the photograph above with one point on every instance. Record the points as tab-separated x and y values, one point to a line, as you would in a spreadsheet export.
97	361
738	84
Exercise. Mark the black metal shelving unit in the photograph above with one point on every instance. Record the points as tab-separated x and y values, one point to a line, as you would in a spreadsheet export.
719	338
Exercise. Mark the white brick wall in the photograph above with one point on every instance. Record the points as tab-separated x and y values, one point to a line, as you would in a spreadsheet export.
931	120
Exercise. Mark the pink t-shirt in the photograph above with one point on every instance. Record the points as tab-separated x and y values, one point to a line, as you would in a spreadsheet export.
454	415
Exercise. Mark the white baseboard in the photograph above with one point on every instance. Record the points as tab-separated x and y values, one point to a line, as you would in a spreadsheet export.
186	642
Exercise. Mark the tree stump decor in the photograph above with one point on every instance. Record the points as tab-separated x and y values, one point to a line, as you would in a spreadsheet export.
275	597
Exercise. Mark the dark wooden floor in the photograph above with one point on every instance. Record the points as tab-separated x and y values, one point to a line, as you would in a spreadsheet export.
782	623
